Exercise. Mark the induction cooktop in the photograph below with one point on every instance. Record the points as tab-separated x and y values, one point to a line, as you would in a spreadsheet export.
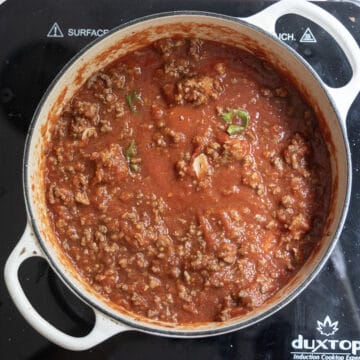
38	37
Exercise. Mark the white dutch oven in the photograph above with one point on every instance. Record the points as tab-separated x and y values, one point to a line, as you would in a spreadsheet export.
255	33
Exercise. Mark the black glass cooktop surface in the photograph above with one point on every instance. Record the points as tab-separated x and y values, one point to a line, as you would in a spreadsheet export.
37	38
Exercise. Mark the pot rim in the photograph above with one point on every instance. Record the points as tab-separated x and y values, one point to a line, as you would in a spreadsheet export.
147	326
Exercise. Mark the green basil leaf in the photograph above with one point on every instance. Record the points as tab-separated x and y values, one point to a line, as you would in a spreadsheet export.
234	129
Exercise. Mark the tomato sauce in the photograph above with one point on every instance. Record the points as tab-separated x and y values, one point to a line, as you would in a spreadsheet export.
187	181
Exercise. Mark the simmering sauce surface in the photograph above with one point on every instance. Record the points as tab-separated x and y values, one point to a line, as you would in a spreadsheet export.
187	181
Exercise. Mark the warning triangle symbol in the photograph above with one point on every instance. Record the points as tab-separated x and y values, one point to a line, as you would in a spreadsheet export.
308	37
55	31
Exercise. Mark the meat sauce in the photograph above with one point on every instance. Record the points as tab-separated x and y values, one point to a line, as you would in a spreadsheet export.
187	181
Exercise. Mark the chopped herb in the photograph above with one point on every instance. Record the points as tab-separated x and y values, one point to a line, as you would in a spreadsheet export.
233	115
244	116
233	129
238	113
134	167
133	98
129	100
227	117
131	150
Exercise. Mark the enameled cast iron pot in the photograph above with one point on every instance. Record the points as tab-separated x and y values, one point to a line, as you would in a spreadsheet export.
255	33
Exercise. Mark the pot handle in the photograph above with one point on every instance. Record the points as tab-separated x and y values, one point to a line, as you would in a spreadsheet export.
343	96
103	329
